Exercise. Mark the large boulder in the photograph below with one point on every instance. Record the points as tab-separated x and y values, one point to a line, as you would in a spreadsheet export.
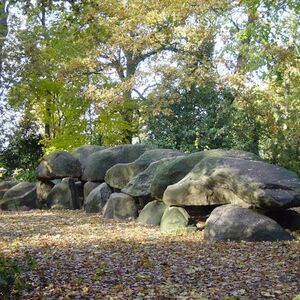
21	195
231	222
83	152
5	186
99	162
177	169
43	189
246	182
58	164
64	195
88	187
120	207
119	175
152	213
97	198
174	219
139	186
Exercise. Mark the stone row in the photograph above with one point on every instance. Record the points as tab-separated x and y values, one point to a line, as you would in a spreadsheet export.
230	194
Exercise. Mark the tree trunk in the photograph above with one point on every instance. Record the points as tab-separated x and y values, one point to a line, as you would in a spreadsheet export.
47	120
128	118
242	56
47	103
128	112
3	34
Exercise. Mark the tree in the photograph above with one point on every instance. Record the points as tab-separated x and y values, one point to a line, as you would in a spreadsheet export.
123	42
7	69
100	70
139	35
8	23
24	151
257	56
200	120
3	34
50	51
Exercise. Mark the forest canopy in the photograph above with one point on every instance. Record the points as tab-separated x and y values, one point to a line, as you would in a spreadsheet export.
191	75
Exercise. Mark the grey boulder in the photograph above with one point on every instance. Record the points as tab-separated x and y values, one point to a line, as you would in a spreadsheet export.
120	207
97	198
231	222
21	195
174	219
83	152
64	195
234	180
43	189
99	162
119	175
139	186
58	164
152	213
181	166
88	187
5	186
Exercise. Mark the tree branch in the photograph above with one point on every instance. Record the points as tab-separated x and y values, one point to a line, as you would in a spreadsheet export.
139	94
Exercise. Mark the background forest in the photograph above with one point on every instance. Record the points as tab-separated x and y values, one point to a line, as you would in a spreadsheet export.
184	74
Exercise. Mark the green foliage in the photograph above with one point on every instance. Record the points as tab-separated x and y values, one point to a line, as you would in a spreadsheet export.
274	114
199	120
9	276
100	270
271	56
10	272
22	154
52	79
114	122
29	260
81	68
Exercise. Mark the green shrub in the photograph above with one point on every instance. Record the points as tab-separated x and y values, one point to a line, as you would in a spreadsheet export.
10	272
9	276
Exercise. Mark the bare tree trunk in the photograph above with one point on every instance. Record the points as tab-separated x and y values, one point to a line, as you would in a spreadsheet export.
129	112
48	101
3	34
242	56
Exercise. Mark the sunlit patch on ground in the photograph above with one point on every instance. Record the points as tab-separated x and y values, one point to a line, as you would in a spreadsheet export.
82	256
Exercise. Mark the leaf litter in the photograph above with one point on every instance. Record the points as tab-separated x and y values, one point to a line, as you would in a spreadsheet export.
76	255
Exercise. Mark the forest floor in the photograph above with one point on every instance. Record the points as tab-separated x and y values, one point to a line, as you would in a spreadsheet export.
73	255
